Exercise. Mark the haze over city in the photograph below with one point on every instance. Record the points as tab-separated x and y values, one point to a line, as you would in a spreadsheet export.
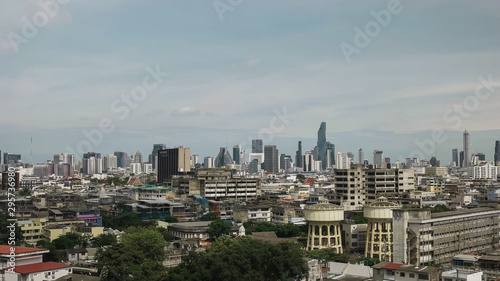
231	70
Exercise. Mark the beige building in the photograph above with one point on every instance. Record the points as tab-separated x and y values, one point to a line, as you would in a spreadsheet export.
421	237
324	226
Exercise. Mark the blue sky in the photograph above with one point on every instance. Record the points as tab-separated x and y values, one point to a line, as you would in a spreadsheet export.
229	75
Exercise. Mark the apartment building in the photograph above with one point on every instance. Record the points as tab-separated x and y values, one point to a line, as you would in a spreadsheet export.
421	237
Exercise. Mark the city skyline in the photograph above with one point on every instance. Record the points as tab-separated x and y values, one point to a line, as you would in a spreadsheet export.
216	82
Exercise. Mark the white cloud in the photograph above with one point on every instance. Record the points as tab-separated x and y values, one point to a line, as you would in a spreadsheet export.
186	111
253	62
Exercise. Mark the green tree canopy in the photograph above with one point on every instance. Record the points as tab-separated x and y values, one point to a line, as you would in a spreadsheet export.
68	241
281	230
25	192
139	256
218	228
359	219
368	261
105	239
209	216
53	254
301	177
440	208
242	258
171	219
328	254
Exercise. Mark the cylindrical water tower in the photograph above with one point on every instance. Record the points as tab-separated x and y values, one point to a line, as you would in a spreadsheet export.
379	230
324	226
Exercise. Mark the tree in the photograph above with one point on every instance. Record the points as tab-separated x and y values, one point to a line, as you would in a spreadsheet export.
105	239
359	219
25	192
171	219
218	228
68	241
328	254
138	257
209	216
167	235
301	177
53	254
243	258
284	230
439	208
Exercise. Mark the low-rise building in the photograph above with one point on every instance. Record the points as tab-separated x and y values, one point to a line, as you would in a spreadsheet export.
396	271
255	213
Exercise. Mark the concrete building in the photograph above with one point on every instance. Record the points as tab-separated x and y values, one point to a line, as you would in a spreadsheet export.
271	159
172	162
324	226
467	151
252	213
385	271
421	237
355	237
378	159
379	231
486	171
257	146
349	187
154	154
208	162
461	275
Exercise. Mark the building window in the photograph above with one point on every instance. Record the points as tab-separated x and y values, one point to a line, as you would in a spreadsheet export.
423	277
412	275
402	274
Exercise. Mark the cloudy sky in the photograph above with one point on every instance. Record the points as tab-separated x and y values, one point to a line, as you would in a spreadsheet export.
382	74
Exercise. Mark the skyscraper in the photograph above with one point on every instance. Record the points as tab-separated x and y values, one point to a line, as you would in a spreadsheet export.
257	146
154	159
461	159
454	156
223	158
11	158
271	159
208	162
122	159
138	157
236	154
321	144
496	157
298	156
361	156
467	152
378	159
110	162
173	161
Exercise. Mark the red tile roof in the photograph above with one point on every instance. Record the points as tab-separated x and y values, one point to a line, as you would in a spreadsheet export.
392	266
5	250
309	181
38	267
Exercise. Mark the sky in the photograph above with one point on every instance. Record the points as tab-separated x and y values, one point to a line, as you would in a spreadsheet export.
406	77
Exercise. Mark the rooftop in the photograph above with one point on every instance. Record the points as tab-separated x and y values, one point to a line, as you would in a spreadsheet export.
462	212
38	267
5	250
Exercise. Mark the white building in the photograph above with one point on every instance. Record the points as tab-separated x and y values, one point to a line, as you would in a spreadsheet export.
135	168
147	168
342	160
461	275
486	171
208	162
110	162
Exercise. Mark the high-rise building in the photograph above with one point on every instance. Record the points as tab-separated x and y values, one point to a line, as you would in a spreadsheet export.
454	156
257	146
321	144
285	162
122	158
92	154
462	157
271	159
496	157
208	162
467	151
308	162
330	154
154	159
378	159
255	160
242	156
195	159
172	162
298	156
481	156
223	158
361	156
110	162
11	158
435	162
342	160
138	157
236	154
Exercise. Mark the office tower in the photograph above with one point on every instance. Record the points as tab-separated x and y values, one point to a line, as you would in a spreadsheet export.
285	162
138	157
454	156
122	159
387	162
467	152
434	162
308	162
271	159
462	157
496	157
481	156
92	154
223	158
11	159
154	159
298	156
343	161
58	158
257	146
172	162
110	162
242	156
208	162
147	168
236	154
195	159
135	168
378	159
321	144
256	160
330	147
1	160
361	156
